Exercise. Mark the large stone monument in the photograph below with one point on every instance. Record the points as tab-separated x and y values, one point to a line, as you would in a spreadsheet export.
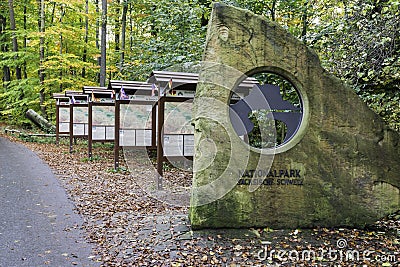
337	165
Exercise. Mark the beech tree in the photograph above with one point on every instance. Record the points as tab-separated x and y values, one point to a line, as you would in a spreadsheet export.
4	46
14	39
103	43
41	7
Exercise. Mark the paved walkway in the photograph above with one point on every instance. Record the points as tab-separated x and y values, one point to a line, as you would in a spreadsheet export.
38	225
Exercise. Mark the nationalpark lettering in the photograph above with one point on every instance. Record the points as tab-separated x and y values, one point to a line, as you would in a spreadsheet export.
270	173
270	177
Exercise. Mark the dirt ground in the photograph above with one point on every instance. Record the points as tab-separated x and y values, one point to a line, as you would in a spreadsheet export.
129	228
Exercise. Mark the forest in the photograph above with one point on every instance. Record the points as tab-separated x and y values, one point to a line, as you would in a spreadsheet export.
49	46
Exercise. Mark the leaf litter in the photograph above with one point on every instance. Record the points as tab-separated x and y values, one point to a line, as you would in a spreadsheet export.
130	228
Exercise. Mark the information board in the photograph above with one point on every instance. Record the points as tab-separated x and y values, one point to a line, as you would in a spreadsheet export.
80	122
135	126
178	131
103	123
63	123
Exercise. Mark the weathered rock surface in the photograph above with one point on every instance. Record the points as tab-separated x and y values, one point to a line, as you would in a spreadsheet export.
346	159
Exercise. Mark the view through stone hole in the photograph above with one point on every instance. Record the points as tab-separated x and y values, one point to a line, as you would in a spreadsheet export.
276	123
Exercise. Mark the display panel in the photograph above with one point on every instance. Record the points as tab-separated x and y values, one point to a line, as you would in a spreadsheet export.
135	125
178	131
63	121
80	122
103	123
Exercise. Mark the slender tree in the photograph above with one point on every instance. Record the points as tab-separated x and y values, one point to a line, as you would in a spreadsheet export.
304	19
62	13
103	42
123	32
42	99
97	26
84	57
131	27
98	30
272	10
53	12
117	26
25	39
14	39
4	49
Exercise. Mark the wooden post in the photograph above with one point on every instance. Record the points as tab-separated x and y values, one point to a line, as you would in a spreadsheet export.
57	124
71	127
90	129
116	133
154	125
160	142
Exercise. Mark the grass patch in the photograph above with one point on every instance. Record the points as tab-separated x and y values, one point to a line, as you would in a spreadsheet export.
118	170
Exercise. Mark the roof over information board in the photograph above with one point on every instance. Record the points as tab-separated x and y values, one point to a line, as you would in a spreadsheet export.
188	81
76	95
131	87
98	92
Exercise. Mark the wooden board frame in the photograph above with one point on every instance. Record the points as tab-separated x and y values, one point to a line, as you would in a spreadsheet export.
62	102
107	100
77	100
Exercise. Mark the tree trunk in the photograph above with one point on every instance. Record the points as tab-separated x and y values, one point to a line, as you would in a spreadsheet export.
117	30
130	28
123	32
40	121
41	57
304	18
103	43
53	14
98	34
84	57
14	39
4	48
25	40
61	46
153	29
97	26
272	9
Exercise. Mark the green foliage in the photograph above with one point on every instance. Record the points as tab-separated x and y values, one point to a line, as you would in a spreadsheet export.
362	47
118	170
168	33
93	158
16	98
63	64
296	16
356	40
37	139
263	134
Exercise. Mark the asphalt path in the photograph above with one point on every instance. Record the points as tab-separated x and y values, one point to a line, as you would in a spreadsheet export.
38	225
